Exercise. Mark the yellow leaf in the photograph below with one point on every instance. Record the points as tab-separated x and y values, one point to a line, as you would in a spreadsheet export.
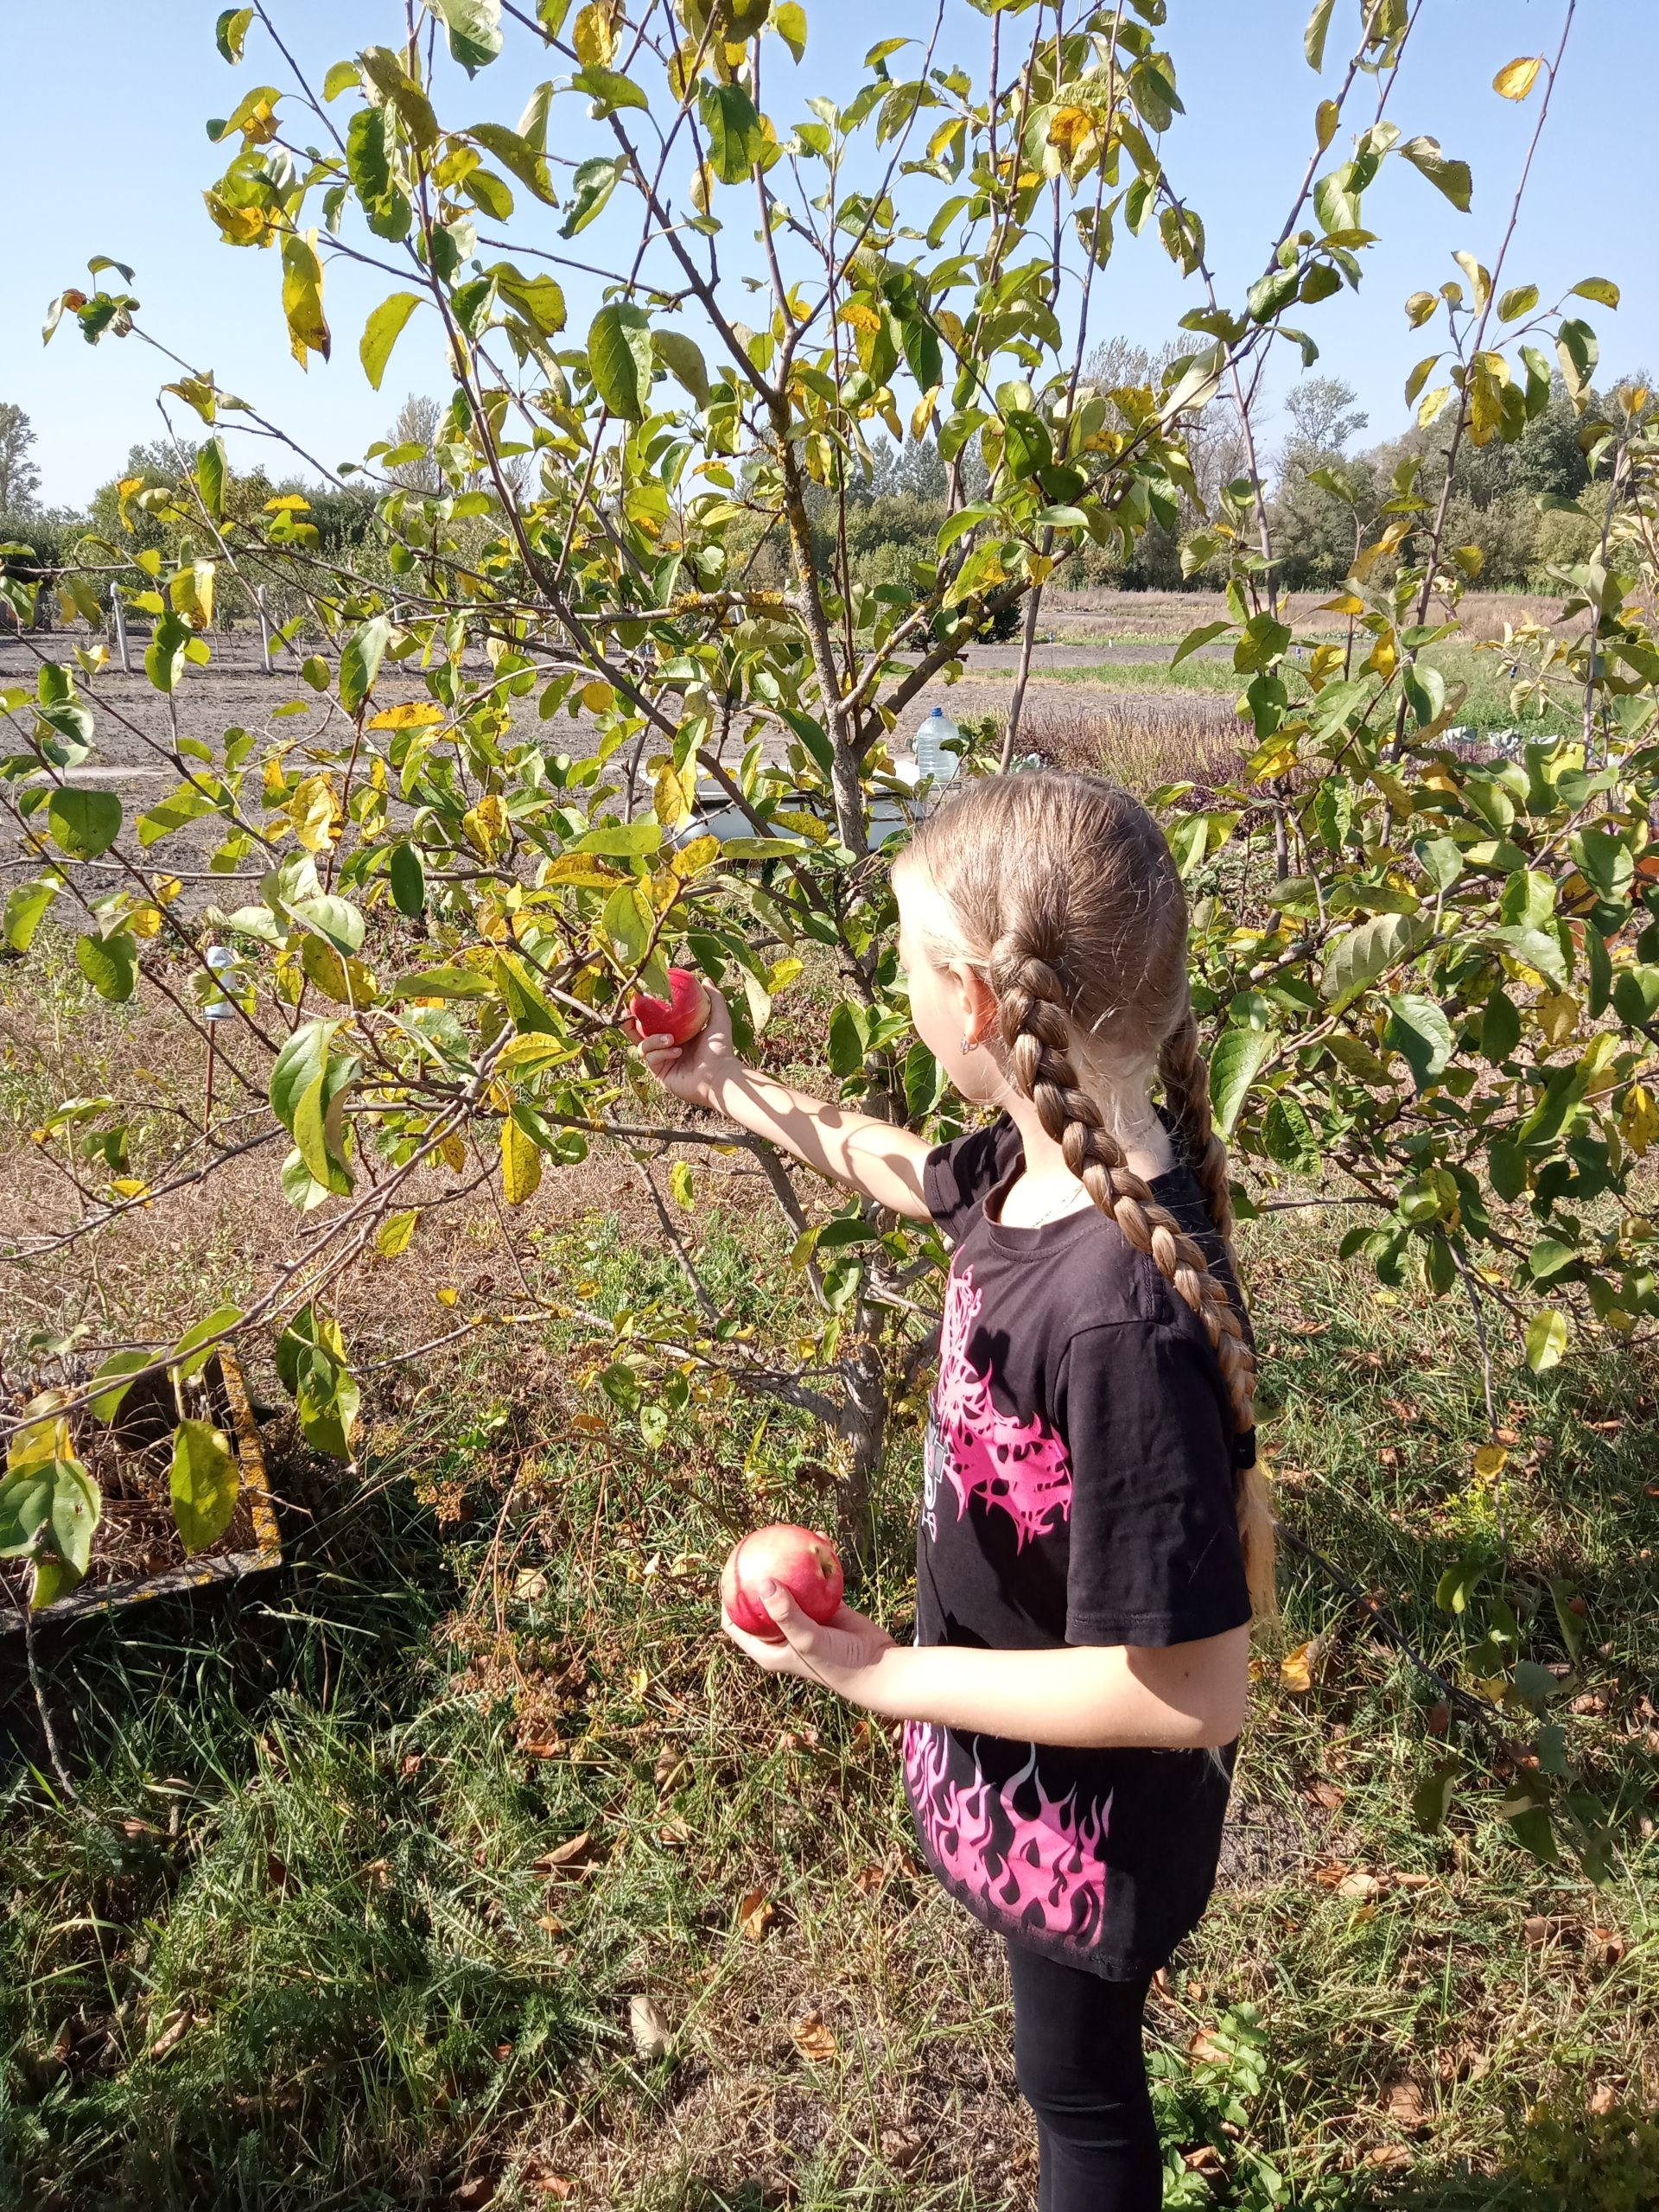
599	698
1491	1460
521	1164
923	412
1557	1015
453	1153
129	1186
393	1235
1070	129
415	714
486	824
596	35
1638	1122
308	332
191	594
167	888
1384	657
859	315
679	1182
313	810
446	1294
1516	79
1296	1668
144	921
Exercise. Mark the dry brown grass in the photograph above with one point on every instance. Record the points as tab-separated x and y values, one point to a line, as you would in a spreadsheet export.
1141	738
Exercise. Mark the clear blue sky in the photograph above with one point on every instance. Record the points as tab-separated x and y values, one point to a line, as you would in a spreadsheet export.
106	152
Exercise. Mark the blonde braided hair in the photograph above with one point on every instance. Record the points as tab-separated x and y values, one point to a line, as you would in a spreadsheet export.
1068	901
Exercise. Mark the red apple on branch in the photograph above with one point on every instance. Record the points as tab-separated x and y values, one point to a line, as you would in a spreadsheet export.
797	1560
679	1016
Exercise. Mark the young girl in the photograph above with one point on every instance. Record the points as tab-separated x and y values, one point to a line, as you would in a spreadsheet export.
1093	1526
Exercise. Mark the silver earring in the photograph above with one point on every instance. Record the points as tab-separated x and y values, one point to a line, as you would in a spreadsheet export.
966	1044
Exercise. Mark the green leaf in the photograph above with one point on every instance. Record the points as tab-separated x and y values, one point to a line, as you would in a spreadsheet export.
474	28
680	1183
591	186
231	30
86	824
213	473
1546	1339
682	357
1452	178
49	1506
1424	689
527	160
26	908
381	333
359	664
1359	957
849	1040
1203	635
735	139
627	921
610	89
1432	1796
188	1359
1313	38
789	21
384	66
1233	1066
408	877
298	1065
620	357
107	1403
110	965
1420	1033
164	655
205	1483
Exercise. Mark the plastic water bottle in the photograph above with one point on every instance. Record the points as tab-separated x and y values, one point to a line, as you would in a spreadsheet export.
932	760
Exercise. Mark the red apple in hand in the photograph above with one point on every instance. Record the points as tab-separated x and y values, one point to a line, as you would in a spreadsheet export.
680	1016
797	1560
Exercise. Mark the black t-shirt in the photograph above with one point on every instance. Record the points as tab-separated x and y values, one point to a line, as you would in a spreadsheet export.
1079	1489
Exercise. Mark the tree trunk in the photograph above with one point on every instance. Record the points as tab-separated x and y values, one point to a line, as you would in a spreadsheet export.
864	1431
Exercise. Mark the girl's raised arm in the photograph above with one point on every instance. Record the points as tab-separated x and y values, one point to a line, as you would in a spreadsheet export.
882	1163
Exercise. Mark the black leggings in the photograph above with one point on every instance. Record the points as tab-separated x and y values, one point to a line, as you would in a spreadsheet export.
1080	2066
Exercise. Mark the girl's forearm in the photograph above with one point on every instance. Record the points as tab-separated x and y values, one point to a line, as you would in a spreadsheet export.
869	1155
1087	1695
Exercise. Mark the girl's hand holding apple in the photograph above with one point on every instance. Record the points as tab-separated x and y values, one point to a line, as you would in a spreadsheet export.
688	1062
835	1652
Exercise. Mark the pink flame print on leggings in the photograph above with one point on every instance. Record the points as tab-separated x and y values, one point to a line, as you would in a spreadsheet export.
1033	1859
1021	1465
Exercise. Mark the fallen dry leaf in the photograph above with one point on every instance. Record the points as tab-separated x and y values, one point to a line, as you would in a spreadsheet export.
543	1747
648	2028
530	1584
477	2191
565	1858
1359	1884
870	1879
756	1913
172	2034
1389	2154
1405	2105
1601	2099
1328	1876
1298	1668
1204	2049
669	1767
1413	1881
1437	1718
412	1764
813	2039
1206	2159
1325	1794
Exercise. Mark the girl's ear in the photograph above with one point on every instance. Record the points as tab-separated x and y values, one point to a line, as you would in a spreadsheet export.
979	1021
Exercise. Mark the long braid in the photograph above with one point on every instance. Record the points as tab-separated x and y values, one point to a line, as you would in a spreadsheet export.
1066	895
1186	1088
1036	1030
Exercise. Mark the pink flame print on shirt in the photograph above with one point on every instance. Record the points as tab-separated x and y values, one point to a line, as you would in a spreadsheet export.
1021	1465
1034	1869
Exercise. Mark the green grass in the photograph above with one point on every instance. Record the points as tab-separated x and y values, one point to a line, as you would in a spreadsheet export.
313	1806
